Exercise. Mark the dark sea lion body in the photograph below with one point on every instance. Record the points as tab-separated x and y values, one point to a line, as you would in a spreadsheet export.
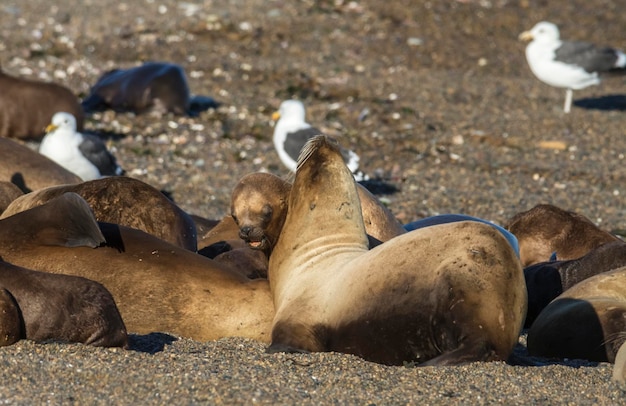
63	308
29	170
126	201
546	230
153	86
587	321
8	192
27	106
441	295
157	286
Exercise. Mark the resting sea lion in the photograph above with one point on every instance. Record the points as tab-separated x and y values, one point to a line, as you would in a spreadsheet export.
27	106
259	206
157	286
547	280
587	321
153	86
546	229
122	200
61	308
28	169
440	295
8	192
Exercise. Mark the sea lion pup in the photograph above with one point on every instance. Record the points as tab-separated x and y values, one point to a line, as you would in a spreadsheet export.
28	169
157	286
259	206
27	106
587	321
546	230
440	295
122	200
63	308
154	86
619	369
547	280
8	192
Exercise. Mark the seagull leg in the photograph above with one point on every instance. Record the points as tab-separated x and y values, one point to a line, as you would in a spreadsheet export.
568	100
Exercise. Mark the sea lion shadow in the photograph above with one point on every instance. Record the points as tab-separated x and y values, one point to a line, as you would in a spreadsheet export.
379	187
615	102
149	343
18	180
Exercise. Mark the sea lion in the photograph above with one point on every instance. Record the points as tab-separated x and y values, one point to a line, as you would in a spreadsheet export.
8	192
11	329
619	369
122	200
157	286
587	321
27	106
440	295
259	206
546	230
547	280
29	170
62	308
154	86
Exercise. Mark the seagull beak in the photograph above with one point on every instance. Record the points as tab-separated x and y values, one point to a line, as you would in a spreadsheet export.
525	36
51	127
275	116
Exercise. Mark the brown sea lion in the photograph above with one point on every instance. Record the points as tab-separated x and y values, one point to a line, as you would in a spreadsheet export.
154	86
8	192
547	280
11	329
587	321
27	106
619	369
62	308
259	206
440	295
157	286
546	230
28	169
122	200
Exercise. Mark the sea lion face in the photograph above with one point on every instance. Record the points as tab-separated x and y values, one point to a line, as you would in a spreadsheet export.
259	207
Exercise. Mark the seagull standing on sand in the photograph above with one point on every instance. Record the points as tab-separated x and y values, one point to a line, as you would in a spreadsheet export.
83	154
569	65
292	132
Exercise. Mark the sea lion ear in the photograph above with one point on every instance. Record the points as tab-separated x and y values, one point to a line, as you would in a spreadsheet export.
66	221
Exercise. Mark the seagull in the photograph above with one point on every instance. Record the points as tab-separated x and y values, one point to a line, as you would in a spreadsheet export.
292	132
569	65
83	154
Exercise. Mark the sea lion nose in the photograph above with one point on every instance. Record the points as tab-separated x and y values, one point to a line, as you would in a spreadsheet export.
244	232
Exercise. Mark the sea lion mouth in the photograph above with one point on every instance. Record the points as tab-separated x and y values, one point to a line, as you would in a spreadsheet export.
257	244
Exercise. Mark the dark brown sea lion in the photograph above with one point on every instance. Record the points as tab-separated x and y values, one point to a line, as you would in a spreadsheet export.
27	106
547	280
157	286
440	295
259	206
546	230
28	169
62	308
8	192
154	86
122	200
587	321
11	328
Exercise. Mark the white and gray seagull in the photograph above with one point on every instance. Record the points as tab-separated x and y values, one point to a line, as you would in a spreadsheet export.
292	131
567	64
85	155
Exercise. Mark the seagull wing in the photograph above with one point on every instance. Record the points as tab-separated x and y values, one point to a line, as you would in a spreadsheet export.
96	152
587	56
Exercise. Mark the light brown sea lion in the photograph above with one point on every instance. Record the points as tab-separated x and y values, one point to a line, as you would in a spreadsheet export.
546	230
11	329
122	200
587	321
157	286
30	170
154	86
440	295
27	106
547	280
619	369
62	308
259	206
8	192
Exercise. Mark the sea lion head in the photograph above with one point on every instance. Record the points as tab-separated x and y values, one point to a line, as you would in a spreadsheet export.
259	207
